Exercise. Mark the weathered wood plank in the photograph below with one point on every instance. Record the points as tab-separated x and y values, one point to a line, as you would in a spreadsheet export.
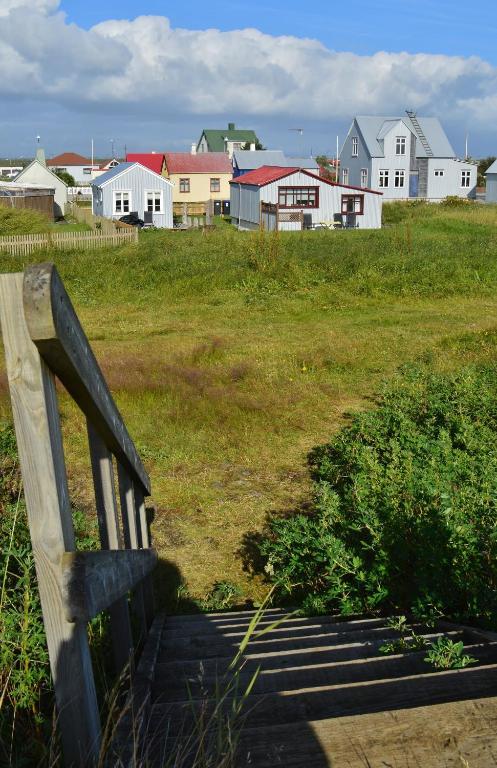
110	538
131	541
91	581
144	537
55	329
443	735
39	440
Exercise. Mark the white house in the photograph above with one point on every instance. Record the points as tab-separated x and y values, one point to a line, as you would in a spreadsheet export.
80	168
37	173
132	188
405	157
491	177
289	198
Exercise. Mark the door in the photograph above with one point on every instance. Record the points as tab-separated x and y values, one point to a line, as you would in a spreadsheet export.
413	185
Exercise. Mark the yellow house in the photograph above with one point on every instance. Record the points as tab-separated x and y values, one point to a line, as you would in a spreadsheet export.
198	178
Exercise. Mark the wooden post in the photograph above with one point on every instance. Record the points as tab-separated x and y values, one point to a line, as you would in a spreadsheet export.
110	538
131	541
148	586
39	440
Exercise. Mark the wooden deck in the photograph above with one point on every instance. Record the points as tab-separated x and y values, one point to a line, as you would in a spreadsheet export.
326	696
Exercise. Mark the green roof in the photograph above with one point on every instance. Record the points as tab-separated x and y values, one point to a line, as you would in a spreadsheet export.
215	138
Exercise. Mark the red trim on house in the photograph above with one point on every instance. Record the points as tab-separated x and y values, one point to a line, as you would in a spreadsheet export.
344	204
298	205
267	174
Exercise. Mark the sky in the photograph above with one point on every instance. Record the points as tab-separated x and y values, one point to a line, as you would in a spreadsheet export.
152	75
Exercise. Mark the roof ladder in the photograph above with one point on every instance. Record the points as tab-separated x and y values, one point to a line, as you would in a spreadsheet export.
419	131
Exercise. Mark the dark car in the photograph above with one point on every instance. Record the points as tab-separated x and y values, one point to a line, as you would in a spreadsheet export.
133	219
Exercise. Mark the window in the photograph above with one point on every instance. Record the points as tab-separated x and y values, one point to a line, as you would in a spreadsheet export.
400	145
355	146
184	185
345	175
400	178
465	178
364	177
87	171
237	145
384	179
215	185
439	172
153	201
353	204
298	197
122	202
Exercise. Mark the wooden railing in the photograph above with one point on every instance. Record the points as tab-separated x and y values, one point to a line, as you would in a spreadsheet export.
43	339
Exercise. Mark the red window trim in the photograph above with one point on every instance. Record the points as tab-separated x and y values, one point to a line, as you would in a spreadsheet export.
286	207
344	204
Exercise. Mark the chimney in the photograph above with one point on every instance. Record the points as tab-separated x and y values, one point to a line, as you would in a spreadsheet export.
231	126
40	155
252	147
194	149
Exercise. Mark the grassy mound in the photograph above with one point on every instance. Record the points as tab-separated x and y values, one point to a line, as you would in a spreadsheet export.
22	221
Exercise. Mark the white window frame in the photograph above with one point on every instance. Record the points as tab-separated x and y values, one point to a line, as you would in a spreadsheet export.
399	176
345	176
383	178
400	145
465	179
115	194
364	178
355	146
439	173
158	192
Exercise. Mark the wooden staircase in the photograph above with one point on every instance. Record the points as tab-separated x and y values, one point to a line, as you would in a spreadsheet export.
326	696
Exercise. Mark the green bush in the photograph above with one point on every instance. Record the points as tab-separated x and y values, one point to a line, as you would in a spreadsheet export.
405	505
22	221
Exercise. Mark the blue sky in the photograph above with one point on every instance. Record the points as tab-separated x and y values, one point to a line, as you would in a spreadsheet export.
429	26
154	82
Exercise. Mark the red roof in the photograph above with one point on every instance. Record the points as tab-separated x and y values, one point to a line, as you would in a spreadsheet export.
151	160
269	173
69	158
203	162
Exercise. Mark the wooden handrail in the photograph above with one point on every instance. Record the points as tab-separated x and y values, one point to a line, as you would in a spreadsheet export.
55	329
43	338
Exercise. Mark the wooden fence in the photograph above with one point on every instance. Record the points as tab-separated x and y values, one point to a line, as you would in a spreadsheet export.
22	245
42	339
98	223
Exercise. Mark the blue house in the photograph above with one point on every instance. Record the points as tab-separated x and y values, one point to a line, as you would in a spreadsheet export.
245	161
132	188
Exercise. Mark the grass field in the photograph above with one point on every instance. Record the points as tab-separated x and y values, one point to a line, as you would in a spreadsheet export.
232	354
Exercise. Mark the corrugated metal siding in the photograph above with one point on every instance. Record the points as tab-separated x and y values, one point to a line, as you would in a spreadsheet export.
450	182
491	196
137	181
330	202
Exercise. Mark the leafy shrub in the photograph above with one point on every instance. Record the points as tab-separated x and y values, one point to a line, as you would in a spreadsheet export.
405	505
453	201
22	221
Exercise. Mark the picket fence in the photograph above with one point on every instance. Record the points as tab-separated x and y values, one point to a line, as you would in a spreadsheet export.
22	245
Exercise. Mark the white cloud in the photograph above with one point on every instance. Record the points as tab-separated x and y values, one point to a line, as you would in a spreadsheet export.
146	67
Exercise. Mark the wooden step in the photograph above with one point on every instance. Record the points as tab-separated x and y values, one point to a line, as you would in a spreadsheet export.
453	735
351	699
314	675
206	646
208	626
278	659
225	615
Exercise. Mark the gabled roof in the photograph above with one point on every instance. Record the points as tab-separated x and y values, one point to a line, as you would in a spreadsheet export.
203	162
374	128
215	137
268	173
122	168
45	168
154	161
492	168
249	159
102	164
68	158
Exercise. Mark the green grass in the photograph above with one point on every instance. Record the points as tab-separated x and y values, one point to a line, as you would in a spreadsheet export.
232	354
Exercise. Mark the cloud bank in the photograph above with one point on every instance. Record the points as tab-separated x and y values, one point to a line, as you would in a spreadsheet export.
147	65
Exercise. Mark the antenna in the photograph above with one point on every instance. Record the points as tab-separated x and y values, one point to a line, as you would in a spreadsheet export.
38	139
300	131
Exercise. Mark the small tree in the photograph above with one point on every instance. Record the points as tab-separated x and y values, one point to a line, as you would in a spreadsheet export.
483	166
66	177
